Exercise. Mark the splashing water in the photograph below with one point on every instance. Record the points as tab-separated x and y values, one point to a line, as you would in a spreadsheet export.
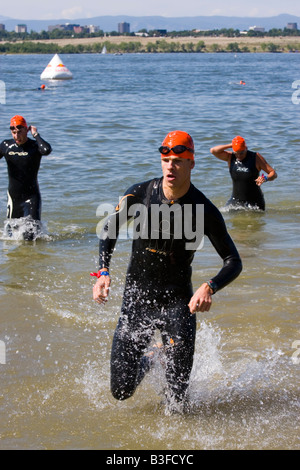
24	228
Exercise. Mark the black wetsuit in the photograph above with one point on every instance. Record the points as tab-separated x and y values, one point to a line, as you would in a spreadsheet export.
158	289
245	192
23	162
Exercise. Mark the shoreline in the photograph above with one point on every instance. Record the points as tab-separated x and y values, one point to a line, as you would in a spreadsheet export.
211	43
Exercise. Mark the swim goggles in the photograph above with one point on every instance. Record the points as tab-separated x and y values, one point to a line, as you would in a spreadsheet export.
17	128
178	149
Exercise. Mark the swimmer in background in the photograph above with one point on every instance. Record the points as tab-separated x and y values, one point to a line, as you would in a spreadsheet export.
23	157
244	167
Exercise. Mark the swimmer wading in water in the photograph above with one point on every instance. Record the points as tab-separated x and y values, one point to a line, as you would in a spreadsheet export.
244	167
158	290
23	157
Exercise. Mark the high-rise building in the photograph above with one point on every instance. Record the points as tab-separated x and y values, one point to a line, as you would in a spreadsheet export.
21	28
291	26
123	28
92	28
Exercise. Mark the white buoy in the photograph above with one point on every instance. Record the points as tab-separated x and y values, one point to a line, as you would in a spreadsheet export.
56	70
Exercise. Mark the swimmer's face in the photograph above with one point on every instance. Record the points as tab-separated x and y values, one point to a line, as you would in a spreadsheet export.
241	155
19	134
176	170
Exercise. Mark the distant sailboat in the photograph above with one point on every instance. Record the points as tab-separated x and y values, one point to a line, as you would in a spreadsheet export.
56	70
104	50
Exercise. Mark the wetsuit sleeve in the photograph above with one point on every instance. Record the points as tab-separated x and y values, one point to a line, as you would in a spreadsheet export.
110	231
43	146
2	149
218	235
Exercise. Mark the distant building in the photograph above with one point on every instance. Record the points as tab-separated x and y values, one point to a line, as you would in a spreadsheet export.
74	27
56	26
123	28
63	27
78	29
53	27
92	29
21	28
70	26
258	29
161	32
292	26
141	34
2	27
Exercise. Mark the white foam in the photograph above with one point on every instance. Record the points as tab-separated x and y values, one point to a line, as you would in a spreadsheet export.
23	228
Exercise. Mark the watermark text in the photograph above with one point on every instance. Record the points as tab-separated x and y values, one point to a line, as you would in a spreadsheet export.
296	354
2	352
2	92
156	223
296	94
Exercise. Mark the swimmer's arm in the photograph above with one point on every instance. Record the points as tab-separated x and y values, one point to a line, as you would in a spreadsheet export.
108	240
232	265
44	147
220	152
3	148
110	232
106	247
216	230
262	165
202	298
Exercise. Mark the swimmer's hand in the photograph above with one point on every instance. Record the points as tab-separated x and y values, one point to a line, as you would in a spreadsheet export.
201	300
260	180
33	130
101	289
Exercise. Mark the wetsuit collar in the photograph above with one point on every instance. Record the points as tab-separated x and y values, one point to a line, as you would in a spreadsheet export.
241	159
163	198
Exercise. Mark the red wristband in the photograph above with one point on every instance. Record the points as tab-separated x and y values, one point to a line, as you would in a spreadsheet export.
100	273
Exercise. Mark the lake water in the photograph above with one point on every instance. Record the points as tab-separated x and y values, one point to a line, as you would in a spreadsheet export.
105	126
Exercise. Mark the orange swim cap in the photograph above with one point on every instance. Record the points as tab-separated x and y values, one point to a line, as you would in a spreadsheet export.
18	121
175	138
238	144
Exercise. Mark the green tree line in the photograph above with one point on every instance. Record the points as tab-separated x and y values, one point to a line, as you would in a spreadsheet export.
158	46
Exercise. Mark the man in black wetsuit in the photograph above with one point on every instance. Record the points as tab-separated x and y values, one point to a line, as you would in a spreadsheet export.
23	157
158	292
244	167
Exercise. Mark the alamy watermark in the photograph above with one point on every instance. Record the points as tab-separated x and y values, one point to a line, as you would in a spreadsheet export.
296	94
157	223
2	92
296	354
2	352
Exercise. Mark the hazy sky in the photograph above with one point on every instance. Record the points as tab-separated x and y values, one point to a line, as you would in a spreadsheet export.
72	9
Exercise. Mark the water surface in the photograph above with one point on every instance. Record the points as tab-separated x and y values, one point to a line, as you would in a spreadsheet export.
105	126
